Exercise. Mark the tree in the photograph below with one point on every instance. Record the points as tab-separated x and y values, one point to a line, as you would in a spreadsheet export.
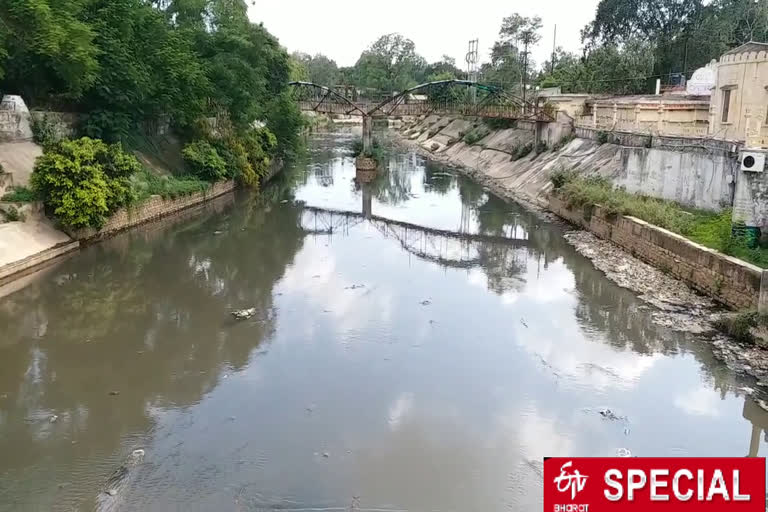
510	63
389	64
320	69
444	69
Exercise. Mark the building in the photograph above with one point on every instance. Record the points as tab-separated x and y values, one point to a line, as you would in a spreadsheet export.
739	107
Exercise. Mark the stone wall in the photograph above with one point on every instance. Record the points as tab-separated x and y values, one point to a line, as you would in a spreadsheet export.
728	280
154	208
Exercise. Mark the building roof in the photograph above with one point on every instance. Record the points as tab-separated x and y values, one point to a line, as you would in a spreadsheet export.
752	46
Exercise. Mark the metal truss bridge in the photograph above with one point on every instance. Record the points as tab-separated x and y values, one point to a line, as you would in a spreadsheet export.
454	97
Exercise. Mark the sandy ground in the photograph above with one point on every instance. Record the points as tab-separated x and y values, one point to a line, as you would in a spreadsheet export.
18	158
21	239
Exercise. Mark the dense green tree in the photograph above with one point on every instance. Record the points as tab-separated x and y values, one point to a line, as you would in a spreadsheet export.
389	64
510	54
320	69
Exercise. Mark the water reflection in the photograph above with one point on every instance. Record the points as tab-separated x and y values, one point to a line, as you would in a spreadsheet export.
419	344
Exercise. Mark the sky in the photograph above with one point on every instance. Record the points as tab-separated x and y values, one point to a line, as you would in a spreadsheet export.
342	29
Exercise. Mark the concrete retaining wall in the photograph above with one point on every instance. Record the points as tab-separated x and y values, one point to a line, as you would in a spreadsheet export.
33	262
728	280
154	208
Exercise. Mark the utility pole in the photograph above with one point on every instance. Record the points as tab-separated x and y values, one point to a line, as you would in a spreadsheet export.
472	59
525	69
554	46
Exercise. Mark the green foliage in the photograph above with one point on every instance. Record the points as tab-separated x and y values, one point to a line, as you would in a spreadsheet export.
602	137
521	151
377	151
741	326
284	121
475	134
82	181
124	63
714	230
499	123
389	64
318	69
145	184
19	194
564	141
204	161
44	130
12	214
541	147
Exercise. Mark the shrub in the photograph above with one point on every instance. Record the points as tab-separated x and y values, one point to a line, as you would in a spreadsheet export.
541	147
564	141
44	130
82	181
522	151
562	176
498	123
19	194
741	325
13	215
475	134
602	137
145	184
204	161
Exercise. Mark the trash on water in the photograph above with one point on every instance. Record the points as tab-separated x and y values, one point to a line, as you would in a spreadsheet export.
244	314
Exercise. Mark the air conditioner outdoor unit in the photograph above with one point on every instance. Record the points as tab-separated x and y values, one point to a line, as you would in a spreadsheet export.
752	161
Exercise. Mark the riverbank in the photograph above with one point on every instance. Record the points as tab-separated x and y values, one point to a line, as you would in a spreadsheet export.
678	307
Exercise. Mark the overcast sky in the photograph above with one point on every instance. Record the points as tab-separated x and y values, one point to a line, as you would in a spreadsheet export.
341	29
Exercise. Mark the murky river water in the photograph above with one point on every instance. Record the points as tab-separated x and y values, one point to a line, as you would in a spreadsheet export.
422	351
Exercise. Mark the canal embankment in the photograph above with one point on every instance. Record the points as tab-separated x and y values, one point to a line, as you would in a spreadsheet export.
686	282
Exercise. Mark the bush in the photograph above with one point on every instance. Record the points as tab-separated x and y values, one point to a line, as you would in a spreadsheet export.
44	130
82	181
13	215
498	123
521	151
602	137
740	325
145	184
19	194
541	147
561	176
564	141
204	161
475	134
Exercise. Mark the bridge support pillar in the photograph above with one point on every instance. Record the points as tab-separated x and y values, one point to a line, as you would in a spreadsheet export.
367	135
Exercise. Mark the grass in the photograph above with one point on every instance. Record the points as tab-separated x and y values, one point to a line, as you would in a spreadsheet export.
711	229
146	184
19	194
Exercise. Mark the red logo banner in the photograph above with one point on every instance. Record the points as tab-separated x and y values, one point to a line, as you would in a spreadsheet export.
707	484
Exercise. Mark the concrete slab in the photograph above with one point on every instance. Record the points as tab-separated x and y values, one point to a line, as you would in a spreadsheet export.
18	159
19	240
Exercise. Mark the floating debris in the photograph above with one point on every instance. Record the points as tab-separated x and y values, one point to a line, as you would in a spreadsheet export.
53	418
354	287
114	393
217	232
283	201
610	415
522	321
425	302
326	454
623	452
244	314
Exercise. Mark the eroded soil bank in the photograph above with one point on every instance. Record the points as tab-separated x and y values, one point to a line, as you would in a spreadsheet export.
526	180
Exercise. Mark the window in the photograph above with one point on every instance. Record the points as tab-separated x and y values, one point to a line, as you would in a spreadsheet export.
726	104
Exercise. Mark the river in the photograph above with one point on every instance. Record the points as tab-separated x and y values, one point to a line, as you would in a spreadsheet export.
418	345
